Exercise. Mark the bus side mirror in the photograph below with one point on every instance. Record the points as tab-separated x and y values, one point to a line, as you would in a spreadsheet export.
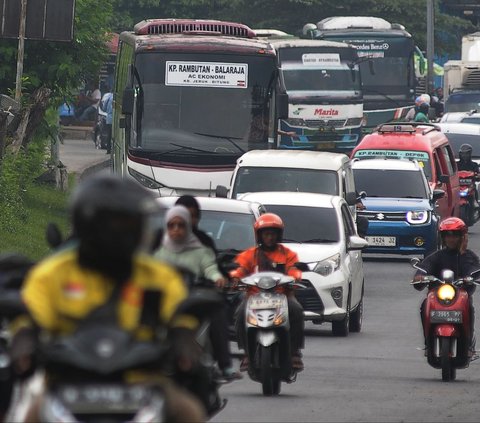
282	105
221	191
128	100
370	67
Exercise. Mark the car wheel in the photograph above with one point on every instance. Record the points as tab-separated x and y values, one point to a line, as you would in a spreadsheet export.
341	327
356	317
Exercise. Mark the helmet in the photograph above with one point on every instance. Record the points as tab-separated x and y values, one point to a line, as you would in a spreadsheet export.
109	216
268	221
452	224
465	152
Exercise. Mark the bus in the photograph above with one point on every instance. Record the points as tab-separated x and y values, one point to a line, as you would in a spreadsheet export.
191	96
325	102
388	65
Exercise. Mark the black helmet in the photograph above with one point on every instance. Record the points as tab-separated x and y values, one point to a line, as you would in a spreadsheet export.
110	216
465	152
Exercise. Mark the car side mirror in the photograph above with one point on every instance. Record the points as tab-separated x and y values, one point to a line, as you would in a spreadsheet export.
437	194
362	226
221	191
444	179
356	243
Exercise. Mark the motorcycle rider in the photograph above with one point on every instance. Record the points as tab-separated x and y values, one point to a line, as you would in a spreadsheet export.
454	256
465	162
110	217
270	255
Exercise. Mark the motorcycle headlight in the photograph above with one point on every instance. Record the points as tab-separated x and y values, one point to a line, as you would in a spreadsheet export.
328	266
463	192
446	293
417	217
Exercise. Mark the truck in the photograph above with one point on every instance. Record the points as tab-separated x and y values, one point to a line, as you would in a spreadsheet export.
461	80
387	54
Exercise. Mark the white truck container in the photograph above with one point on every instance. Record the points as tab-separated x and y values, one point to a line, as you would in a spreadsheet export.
460	75
471	47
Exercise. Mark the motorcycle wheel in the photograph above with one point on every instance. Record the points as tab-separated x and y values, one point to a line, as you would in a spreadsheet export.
448	371
270	382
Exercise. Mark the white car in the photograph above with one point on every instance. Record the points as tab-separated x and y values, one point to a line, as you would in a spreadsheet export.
461	117
228	222
462	133
321	230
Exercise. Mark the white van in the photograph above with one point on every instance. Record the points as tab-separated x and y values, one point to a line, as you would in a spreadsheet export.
288	170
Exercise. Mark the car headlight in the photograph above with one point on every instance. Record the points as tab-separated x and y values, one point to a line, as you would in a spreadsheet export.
328	266
417	217
446	293
145	180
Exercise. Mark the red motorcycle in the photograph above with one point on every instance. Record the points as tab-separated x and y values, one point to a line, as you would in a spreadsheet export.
447	322
469	212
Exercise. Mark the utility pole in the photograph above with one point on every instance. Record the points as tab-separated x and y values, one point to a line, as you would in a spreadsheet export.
21	50
430	44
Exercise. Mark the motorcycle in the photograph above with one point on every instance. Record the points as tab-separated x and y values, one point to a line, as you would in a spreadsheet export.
100	132
447	322
86	372
469	209
268	330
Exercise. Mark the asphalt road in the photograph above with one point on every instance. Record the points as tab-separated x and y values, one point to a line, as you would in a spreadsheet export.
378	375
80	156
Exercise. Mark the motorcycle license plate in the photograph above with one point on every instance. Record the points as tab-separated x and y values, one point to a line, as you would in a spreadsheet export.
446	316
465	181
102	396
262	302
381	241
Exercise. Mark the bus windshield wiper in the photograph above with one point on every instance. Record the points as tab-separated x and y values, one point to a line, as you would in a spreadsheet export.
222	137
175	150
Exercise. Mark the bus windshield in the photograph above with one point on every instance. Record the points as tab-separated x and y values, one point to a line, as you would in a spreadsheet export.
320	79
188	109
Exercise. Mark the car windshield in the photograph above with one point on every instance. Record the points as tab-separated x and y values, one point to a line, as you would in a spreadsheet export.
259	179
421	156
394	183
462	102
229	231
456	140
307	224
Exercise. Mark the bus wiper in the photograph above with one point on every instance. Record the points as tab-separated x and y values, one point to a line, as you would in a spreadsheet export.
411	196
222	137
315	240
186	147
368	91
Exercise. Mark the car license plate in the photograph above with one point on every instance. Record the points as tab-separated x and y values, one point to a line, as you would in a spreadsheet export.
446	316
381	241
258	303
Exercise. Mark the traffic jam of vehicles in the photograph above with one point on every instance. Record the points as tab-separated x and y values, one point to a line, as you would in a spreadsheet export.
324	164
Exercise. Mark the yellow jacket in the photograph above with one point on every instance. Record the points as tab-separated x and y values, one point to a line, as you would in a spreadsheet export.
59	293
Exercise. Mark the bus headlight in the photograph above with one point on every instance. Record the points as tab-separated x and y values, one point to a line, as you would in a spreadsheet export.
417	217
144	180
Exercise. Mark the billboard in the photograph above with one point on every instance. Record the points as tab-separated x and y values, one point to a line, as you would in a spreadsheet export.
50	20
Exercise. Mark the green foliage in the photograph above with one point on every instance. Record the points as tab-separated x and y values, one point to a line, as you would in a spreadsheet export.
291	15
42	204
61	66
16	178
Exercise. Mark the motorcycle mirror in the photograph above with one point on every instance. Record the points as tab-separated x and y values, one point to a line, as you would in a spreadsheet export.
414	262
448	275
300	265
